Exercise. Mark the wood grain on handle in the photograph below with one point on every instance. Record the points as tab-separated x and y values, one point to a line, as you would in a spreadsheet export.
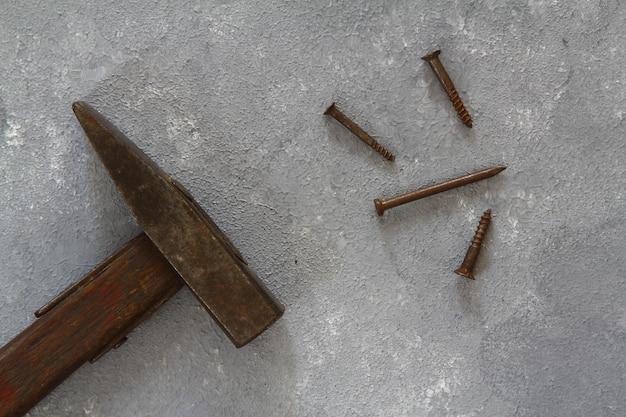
117	295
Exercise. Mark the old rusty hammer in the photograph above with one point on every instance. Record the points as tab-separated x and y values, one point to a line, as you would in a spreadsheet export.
180	245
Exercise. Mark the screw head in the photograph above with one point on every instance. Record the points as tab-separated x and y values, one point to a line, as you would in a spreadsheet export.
465	272
432	55
380	207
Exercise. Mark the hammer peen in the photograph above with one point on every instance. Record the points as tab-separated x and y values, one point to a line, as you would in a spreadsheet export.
180	245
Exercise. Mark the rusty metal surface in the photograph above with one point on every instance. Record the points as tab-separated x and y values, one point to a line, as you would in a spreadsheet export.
336	114
210	265
382	205
467	267
379	325
447	84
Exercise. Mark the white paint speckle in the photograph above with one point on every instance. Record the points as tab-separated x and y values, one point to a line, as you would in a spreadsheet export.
13	133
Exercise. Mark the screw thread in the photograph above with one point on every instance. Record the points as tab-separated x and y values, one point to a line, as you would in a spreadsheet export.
360	133
381	150
483	225
459	106
467	267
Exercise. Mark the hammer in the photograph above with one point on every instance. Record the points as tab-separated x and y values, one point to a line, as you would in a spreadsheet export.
180	245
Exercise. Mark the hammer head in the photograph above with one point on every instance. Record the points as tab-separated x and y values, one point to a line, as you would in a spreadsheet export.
196	248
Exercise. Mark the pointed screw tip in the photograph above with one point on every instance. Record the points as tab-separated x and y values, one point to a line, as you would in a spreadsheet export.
496	170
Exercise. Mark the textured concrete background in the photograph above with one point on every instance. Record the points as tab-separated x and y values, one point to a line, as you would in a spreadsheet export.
228	97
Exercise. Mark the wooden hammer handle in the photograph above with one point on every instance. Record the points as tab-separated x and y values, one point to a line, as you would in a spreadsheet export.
109	302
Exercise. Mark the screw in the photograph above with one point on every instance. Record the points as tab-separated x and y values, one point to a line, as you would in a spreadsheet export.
382	205
433	59
354	128
467	267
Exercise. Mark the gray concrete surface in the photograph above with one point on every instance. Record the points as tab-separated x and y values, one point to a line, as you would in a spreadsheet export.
228	97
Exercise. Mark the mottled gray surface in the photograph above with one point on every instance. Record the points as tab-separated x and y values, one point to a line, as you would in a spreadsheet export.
228	97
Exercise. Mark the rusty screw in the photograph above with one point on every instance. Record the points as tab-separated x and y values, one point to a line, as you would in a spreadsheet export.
467	267
433	59
354	128
382	205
